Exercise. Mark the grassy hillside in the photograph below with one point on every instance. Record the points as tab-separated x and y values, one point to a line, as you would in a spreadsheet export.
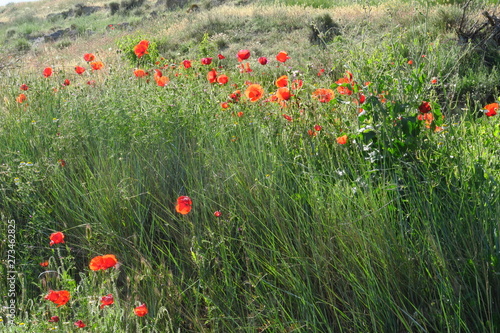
243	167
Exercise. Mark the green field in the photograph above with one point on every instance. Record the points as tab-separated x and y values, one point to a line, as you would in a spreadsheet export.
351	187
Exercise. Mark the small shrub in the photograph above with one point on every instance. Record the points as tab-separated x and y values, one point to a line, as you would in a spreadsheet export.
22	45
114	7
323	29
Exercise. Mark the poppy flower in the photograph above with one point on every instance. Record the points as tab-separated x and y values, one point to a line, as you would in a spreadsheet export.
297	84
212	76
24	87
186	64
240	114
96	65
66	82
262	60
222	79
243	55
79	70
410	62
103	262
62	163
21	98
217	214
206	61
323	95
287	117
59	297
424	107
54	319
282	81
342	139
254	92
224	105
321	71
88	57
311	133
91	83
317	128
107	300
235	96
162	81
184	204
79	324
140	73
56	238
283	94
47	72
343	89
141	49
141	310
245	68
282	56
220	56
434	80
44	263
491	109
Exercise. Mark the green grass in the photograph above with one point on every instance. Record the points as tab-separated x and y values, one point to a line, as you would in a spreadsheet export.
397	230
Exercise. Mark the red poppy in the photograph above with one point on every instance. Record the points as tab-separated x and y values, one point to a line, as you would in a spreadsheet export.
254	92
47	72
243	55
107	300
245	68
344	88
282	56
240	114
141	310
317	128
217	214
103	262
62	163
424	107
297	84
224	105
186	64
56	238
410	62
311	133
323	95
235	96
321	71
66	82
206	61
162	81
140	73
434	80
44	263
24	87
184	204
220	56
222	79
21	98
141	48
54	319
283	94
88	57
282	81
80	324
342	139
212	76
491	109
262	60
60	297
91	83
287	117
96	65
